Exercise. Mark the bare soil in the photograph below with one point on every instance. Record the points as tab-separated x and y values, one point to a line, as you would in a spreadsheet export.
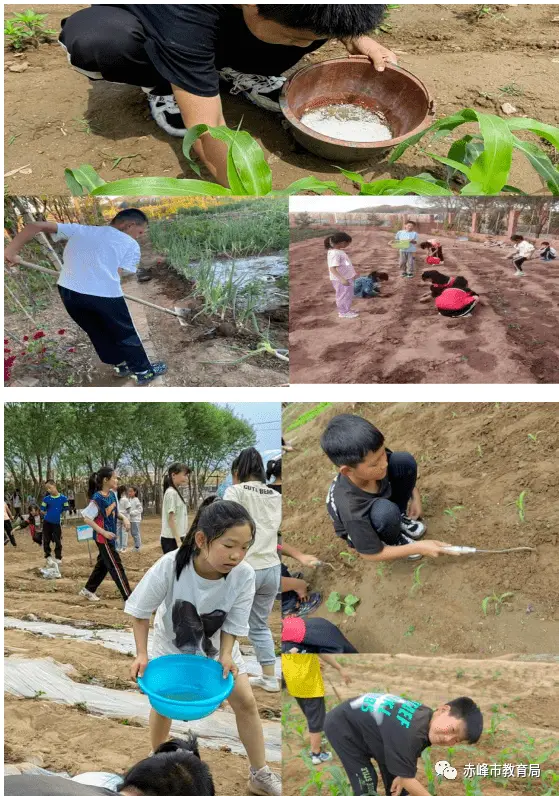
527	690
196	355
512	339
56	118
66	738
475	456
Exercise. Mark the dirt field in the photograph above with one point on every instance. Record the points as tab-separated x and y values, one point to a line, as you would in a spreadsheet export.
518	699
56	118
192	355
68	738
475	456
397	340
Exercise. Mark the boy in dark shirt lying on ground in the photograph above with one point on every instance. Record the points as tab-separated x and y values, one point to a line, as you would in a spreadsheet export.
179	54
394	731
373	501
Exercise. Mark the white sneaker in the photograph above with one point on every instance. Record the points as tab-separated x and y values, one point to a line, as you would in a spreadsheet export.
264	782
167	115
261	90
414	529
348	314
90	596
263	681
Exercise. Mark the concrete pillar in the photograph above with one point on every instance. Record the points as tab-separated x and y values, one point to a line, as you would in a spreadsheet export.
512	222
475	222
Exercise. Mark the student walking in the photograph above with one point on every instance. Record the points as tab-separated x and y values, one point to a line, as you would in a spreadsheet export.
53	506
136	511
523	250
202	595
406	257
263	505
123	511
90	289
71	500
101	514
342	272
174	515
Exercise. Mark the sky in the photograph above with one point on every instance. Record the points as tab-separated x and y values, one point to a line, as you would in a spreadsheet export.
266	421
344	204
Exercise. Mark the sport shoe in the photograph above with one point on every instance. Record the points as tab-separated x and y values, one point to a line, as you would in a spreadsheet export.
264	782
520	273
262	90
167	115
321	757
307	607
147	376
122	370
414	529
406	540
348	314
90	596
265	682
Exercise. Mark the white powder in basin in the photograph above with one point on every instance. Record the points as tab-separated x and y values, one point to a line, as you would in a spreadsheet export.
348	122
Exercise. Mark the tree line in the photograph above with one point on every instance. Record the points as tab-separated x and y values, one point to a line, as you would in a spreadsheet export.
68	441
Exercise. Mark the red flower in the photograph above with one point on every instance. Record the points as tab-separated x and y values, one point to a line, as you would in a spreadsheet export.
7	350
9	362
38	335
25	338
71	350
62	331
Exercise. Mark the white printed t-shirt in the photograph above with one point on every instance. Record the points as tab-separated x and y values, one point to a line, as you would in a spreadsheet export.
523	249
92	258
192	611
172	503
337	258
264	506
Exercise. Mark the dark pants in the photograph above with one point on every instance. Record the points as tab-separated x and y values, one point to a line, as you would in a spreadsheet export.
467	310
314	709
386	513
108	561
72	505
356	760
547	255
8	533
168	545
107	323
52	534
321	636
111	41
518	263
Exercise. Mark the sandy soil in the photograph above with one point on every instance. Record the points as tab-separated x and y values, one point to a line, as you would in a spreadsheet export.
55	118
477	456
510	340
66	738
524	689
192	355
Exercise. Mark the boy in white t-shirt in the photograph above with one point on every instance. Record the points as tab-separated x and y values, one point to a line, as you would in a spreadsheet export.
406	257
523	250
90	289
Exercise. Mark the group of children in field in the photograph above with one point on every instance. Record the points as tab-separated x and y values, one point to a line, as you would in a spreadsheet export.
375	507
453	297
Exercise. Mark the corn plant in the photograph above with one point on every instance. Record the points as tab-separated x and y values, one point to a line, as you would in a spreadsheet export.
482	160
27	29
453	511
496	600
417	584
347	557
520	506
472	786
429	772
337	784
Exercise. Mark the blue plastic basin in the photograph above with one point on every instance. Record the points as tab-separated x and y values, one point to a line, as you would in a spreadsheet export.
185	687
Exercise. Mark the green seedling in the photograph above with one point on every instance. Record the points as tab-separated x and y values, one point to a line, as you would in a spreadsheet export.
453	511
13	138
81	706
119	158
496	600
520	506
472	786
386	26
338	785
347	557
38	694
381	569
410	631
306	417
429	772
82	126
479	451
417	584
512	90
460	674
478	163
335	603
534	437
292	502
27	29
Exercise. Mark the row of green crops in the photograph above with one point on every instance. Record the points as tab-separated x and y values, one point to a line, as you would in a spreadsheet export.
477	163
306	417
249	232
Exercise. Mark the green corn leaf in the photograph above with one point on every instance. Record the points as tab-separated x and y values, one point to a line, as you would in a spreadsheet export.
541	163
160	186
472	189
455	165
235	182
547	131
352	175
491	169
378	187
512	189
444	125
310	184
413	185
247	158
85	177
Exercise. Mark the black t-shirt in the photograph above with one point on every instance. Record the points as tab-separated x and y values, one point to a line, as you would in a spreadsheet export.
188	44
44	785
392	730
350	507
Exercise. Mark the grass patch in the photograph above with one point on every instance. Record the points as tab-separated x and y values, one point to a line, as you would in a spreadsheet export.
306	417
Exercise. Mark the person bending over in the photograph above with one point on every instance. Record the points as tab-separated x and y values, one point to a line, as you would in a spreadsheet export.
457	301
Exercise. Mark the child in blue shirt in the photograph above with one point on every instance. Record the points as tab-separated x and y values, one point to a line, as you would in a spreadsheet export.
52	507
407	255
369	286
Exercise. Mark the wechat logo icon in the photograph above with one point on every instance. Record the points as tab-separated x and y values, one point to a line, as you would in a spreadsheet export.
444	769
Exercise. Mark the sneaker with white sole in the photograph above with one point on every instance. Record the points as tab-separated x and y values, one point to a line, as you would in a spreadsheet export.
520	273
166	113
265	682
415	529
348	314
403	539
262	90
321	757
90	596
264	782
